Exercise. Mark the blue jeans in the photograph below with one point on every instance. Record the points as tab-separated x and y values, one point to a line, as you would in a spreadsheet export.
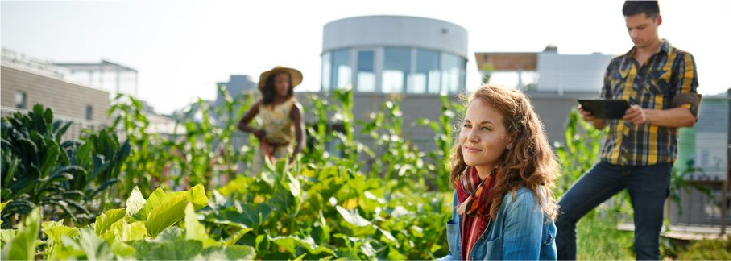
648	187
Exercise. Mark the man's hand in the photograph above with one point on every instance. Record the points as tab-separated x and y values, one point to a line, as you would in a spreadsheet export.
588	117
636	115
585	115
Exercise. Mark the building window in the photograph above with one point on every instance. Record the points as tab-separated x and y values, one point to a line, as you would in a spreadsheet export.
426	75
89	113
21	100
396	66
453	71
326	72
366	77
342	71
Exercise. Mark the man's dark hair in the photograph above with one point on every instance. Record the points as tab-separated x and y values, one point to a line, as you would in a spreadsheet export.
649	8
270	93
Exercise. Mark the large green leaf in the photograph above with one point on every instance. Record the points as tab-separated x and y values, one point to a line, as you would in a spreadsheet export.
252	215
6	235
170	234
155	200
158	198
291	244
352	217
122	231
235	252
198	197
121	249
55	230
106	219
167	214
86	246
194	230
23	245
169	250
359	226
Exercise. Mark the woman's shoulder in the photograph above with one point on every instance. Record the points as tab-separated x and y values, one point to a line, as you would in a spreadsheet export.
522	195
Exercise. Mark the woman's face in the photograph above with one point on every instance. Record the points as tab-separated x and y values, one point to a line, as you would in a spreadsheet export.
281	83
484	137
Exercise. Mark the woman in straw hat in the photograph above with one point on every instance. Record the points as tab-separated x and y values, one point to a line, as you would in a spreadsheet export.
281	117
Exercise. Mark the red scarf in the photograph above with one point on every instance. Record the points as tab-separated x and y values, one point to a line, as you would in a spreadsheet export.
475	212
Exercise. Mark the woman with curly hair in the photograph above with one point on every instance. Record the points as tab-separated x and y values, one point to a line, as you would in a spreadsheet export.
503	171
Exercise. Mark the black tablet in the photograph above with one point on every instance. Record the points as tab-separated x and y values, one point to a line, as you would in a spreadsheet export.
605	109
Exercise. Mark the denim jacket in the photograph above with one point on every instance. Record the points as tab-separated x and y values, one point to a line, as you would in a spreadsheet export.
521	231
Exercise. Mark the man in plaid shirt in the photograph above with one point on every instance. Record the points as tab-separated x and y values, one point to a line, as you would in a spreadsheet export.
660	83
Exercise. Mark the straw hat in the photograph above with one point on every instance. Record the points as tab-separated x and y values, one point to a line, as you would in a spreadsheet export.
294	73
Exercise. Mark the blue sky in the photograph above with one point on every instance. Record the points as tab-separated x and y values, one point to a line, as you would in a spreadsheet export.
183	48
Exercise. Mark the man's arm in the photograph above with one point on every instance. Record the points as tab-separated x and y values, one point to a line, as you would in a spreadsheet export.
674	118
685	103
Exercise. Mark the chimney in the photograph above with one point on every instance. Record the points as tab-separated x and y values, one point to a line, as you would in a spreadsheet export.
551	49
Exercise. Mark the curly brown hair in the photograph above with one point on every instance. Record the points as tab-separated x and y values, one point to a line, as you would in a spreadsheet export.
530	163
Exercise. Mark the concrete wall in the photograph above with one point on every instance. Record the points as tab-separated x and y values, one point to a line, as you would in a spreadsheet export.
66	99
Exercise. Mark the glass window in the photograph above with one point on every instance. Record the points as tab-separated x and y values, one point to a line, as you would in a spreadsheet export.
366	78
462	74
89	112
426	75
21	100
396	66
326	72
417	83
341	70
453	73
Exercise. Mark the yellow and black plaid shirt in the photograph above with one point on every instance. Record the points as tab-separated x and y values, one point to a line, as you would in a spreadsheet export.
668	73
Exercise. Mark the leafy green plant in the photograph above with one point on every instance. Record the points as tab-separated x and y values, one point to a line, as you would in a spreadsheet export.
396	159
36	169
444	135
332	212
150	154
102	157
579	153
146	230
230	138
